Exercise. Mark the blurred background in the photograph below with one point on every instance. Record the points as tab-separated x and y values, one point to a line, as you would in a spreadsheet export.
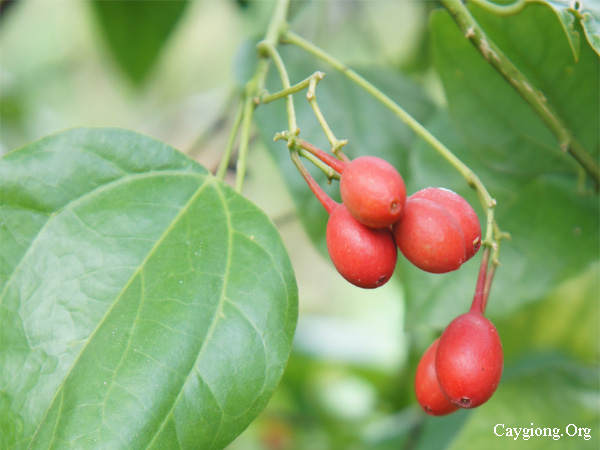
175	73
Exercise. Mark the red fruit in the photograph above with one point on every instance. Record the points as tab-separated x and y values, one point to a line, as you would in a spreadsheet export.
364	256
462	212
429	237
429	395
469	360
373	191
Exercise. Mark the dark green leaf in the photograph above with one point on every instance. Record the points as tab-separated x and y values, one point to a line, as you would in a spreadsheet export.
136	31
590	20
566	321
565	15
144	304
497	123
587	12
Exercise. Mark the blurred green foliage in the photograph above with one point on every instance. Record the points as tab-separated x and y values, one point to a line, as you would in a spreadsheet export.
348	384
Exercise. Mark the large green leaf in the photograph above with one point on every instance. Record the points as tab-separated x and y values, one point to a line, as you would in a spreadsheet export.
498	124
144	304
136	31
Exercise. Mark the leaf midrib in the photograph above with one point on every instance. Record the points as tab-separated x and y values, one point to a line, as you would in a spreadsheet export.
208	180
211	328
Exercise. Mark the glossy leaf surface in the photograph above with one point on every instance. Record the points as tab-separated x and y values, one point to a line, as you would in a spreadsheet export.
144	304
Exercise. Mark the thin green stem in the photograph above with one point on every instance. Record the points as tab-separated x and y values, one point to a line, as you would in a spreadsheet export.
277	25
337	165
271	51
240	171
472	179
331	166
267	98
536	99
501	10
222	170
336	144
327	170
493	234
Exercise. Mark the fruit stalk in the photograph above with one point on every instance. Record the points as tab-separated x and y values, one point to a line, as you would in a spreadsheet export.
487	201
478	304
328	203
336	144
276	28
294	141
270	50
222	169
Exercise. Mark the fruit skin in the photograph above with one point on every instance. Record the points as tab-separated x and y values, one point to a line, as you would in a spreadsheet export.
429	237
373	191
429	395
462	212
469	360
364	256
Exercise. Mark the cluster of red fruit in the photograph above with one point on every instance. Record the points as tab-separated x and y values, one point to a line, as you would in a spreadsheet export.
462	368
435	229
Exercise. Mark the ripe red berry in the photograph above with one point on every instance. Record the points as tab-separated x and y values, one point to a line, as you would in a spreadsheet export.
462	212
469	360
364	256
429	237
429	395
373	191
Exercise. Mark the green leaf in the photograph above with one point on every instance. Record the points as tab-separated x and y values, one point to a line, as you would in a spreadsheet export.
590	20
144	304
565	321
136	31
352	114
588	14
563	11
496	122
